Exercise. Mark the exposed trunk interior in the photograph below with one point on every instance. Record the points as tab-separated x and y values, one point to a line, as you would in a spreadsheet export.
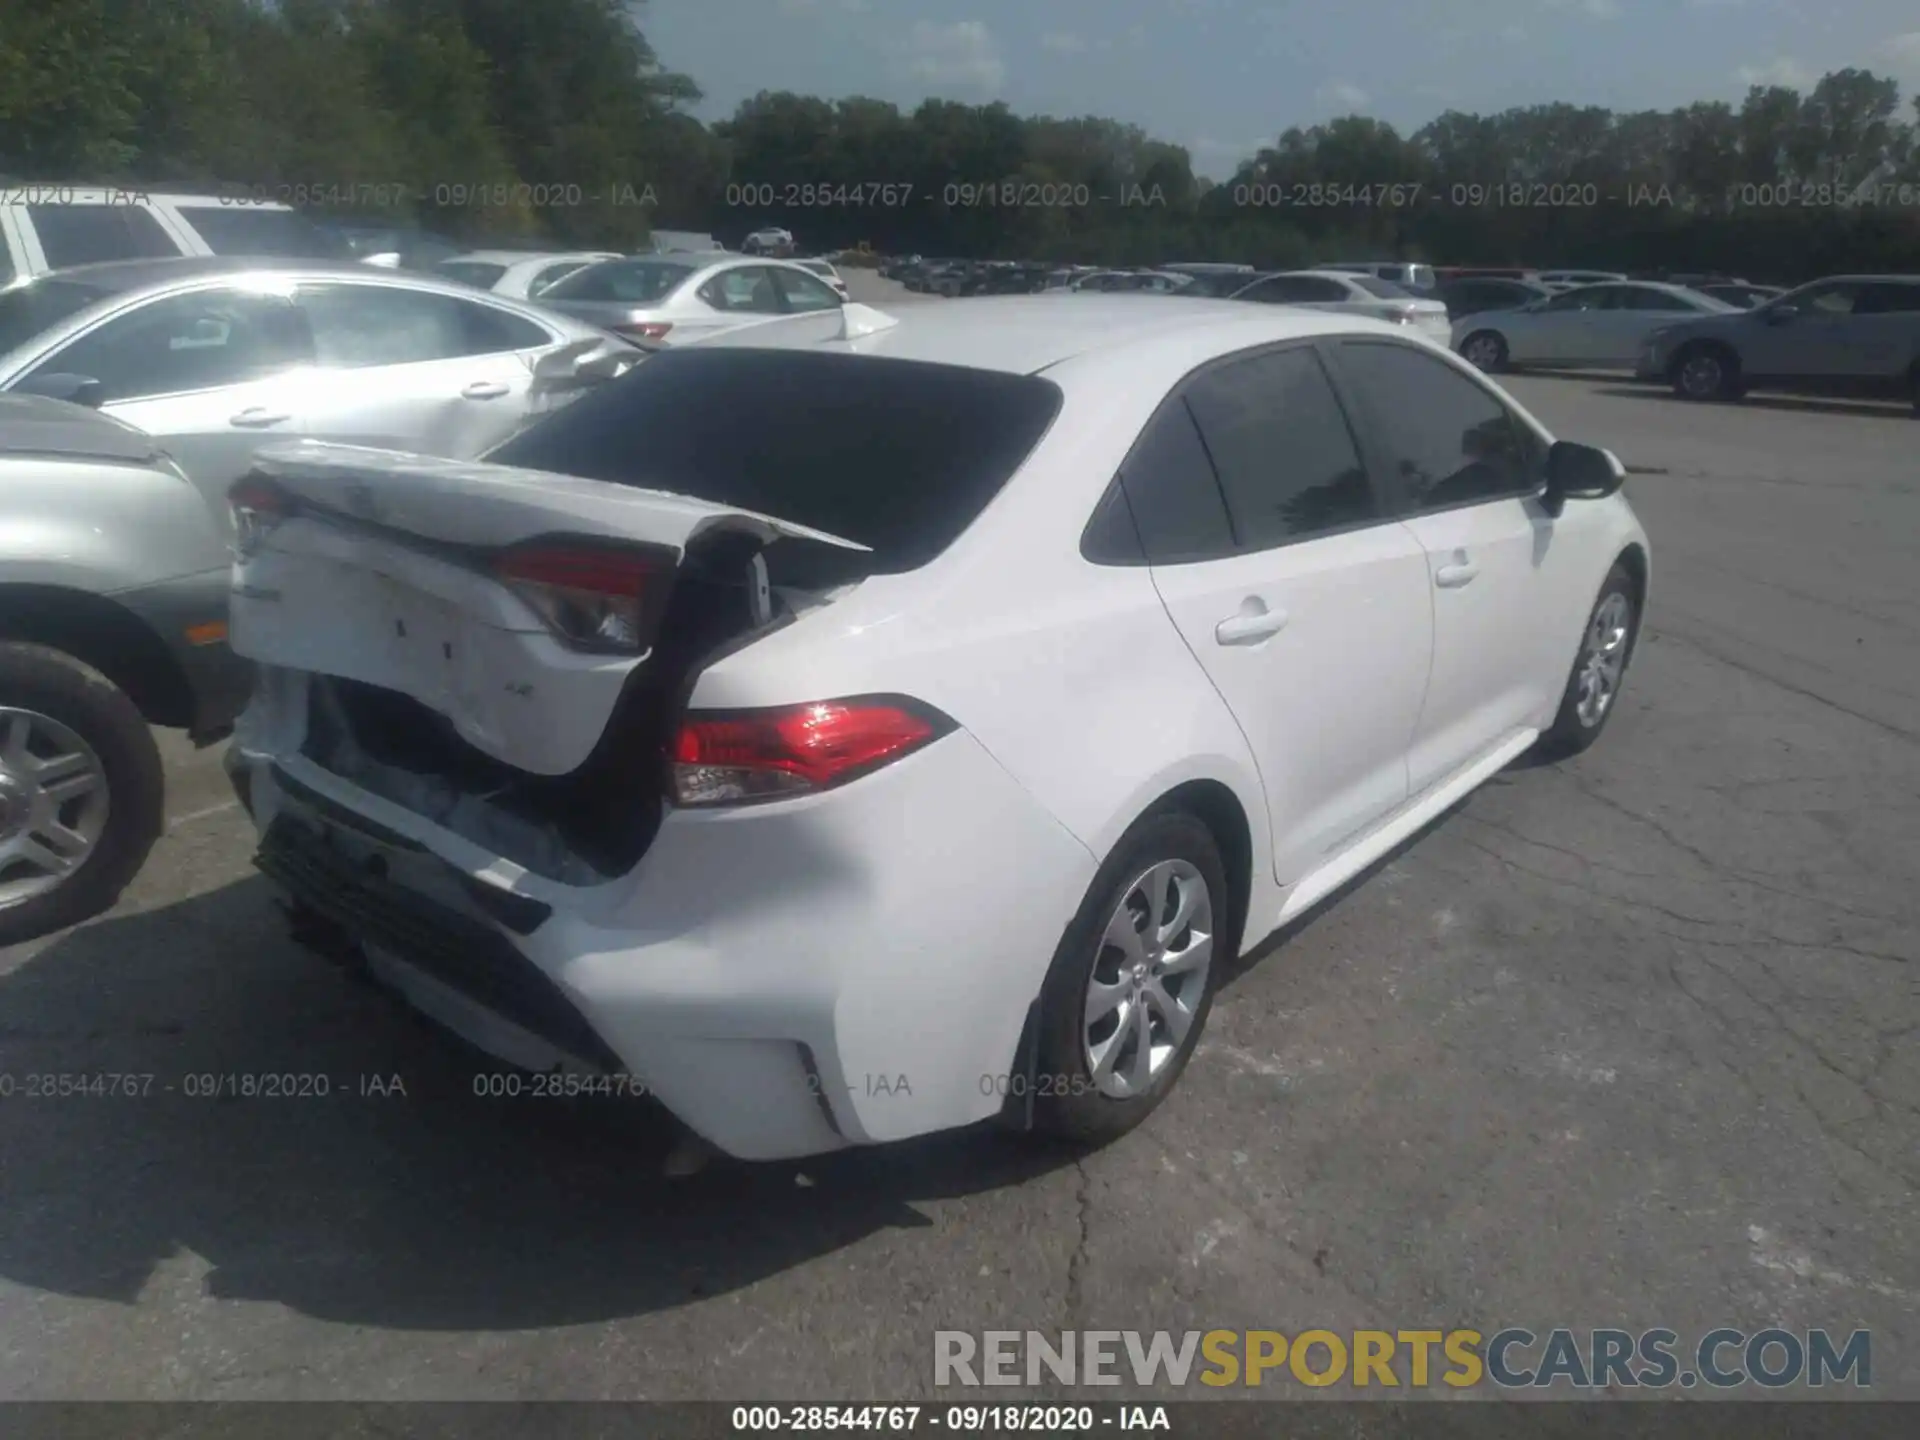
596	822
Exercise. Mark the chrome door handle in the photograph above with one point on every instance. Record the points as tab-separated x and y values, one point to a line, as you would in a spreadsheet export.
1452	577
484	390
1245	629
258	417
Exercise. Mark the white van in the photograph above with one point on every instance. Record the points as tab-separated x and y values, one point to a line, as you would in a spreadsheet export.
50	226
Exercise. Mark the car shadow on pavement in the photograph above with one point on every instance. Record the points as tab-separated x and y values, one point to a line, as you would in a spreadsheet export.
1793	404
399	1197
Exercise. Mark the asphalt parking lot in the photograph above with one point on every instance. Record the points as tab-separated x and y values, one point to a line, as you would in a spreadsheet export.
1625	1042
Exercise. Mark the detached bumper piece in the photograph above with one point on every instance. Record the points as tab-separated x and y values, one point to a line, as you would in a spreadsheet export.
458	951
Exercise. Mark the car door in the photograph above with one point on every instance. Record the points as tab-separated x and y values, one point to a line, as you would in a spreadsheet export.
410	369
1814	341
1465	471
1886	339
1303	600
213	373
739	295
1628	315
1560	332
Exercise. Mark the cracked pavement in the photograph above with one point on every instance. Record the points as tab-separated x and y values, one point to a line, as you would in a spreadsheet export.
1626	1042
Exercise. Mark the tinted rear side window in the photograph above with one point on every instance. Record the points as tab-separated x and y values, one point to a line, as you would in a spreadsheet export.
1173	493
1280	443
251	230
88	234
898	455
477	273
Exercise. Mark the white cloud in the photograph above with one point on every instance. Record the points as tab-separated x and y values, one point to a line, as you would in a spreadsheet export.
1063	42
1342	92
1781	70
1903	54
1592	9
963	54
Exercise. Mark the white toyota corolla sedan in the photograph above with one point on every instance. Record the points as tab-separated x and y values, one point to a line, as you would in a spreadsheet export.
855	727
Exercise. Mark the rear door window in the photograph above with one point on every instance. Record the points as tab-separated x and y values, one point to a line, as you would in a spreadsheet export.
897	455
1170	494
804	293
1887	299
745	289
90	234
1279	441
356	326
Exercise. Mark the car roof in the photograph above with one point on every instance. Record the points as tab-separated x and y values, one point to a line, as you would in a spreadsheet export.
1025	334
35	425
118	276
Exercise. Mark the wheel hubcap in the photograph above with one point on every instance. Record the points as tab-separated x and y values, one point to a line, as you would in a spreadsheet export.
1148	978
53	804
1484	353
1603	658
1701	375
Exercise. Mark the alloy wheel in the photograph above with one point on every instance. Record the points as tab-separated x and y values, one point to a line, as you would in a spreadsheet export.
1148	979
54	804
1702	376
1482	352
1603	658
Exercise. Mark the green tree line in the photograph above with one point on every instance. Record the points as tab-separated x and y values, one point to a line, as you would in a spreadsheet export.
556	122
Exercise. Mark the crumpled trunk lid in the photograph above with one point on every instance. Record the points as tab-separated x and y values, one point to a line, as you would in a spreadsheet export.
380	571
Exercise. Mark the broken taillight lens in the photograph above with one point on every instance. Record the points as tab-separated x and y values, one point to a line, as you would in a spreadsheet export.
729	757
590	597
257	505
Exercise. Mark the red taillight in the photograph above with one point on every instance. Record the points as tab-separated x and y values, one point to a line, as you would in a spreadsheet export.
725	758
646	330
257	505
592	597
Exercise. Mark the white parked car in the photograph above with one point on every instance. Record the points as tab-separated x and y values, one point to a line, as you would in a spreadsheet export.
1590	325
771	241
1353	294
217	357
824	269
856	726
671	299
1407	274
519	274
48	226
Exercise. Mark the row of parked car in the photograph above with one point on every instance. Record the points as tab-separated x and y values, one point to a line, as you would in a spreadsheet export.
1708	336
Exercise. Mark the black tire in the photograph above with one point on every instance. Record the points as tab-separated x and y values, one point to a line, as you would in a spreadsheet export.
1705	371
1572	730
1494	343
53	684
1067	1103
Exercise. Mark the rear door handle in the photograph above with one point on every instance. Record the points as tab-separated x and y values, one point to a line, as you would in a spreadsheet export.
1452	577
258	417
484	390
1248	627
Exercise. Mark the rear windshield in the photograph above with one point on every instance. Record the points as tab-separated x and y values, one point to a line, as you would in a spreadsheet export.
477	273
627	281
26	310
1385	289
898	455
250	230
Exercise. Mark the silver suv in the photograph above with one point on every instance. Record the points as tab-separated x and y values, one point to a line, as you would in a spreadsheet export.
114	575
1848	334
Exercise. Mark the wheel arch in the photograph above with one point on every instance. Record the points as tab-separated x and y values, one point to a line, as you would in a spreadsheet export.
106	635
1216	806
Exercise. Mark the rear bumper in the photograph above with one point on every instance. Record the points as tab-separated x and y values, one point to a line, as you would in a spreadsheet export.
190	616
788	979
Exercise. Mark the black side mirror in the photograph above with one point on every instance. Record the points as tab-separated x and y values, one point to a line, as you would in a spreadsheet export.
75	389
1781	314
1580	472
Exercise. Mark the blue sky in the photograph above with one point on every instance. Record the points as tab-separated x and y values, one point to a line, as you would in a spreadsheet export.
1224	76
